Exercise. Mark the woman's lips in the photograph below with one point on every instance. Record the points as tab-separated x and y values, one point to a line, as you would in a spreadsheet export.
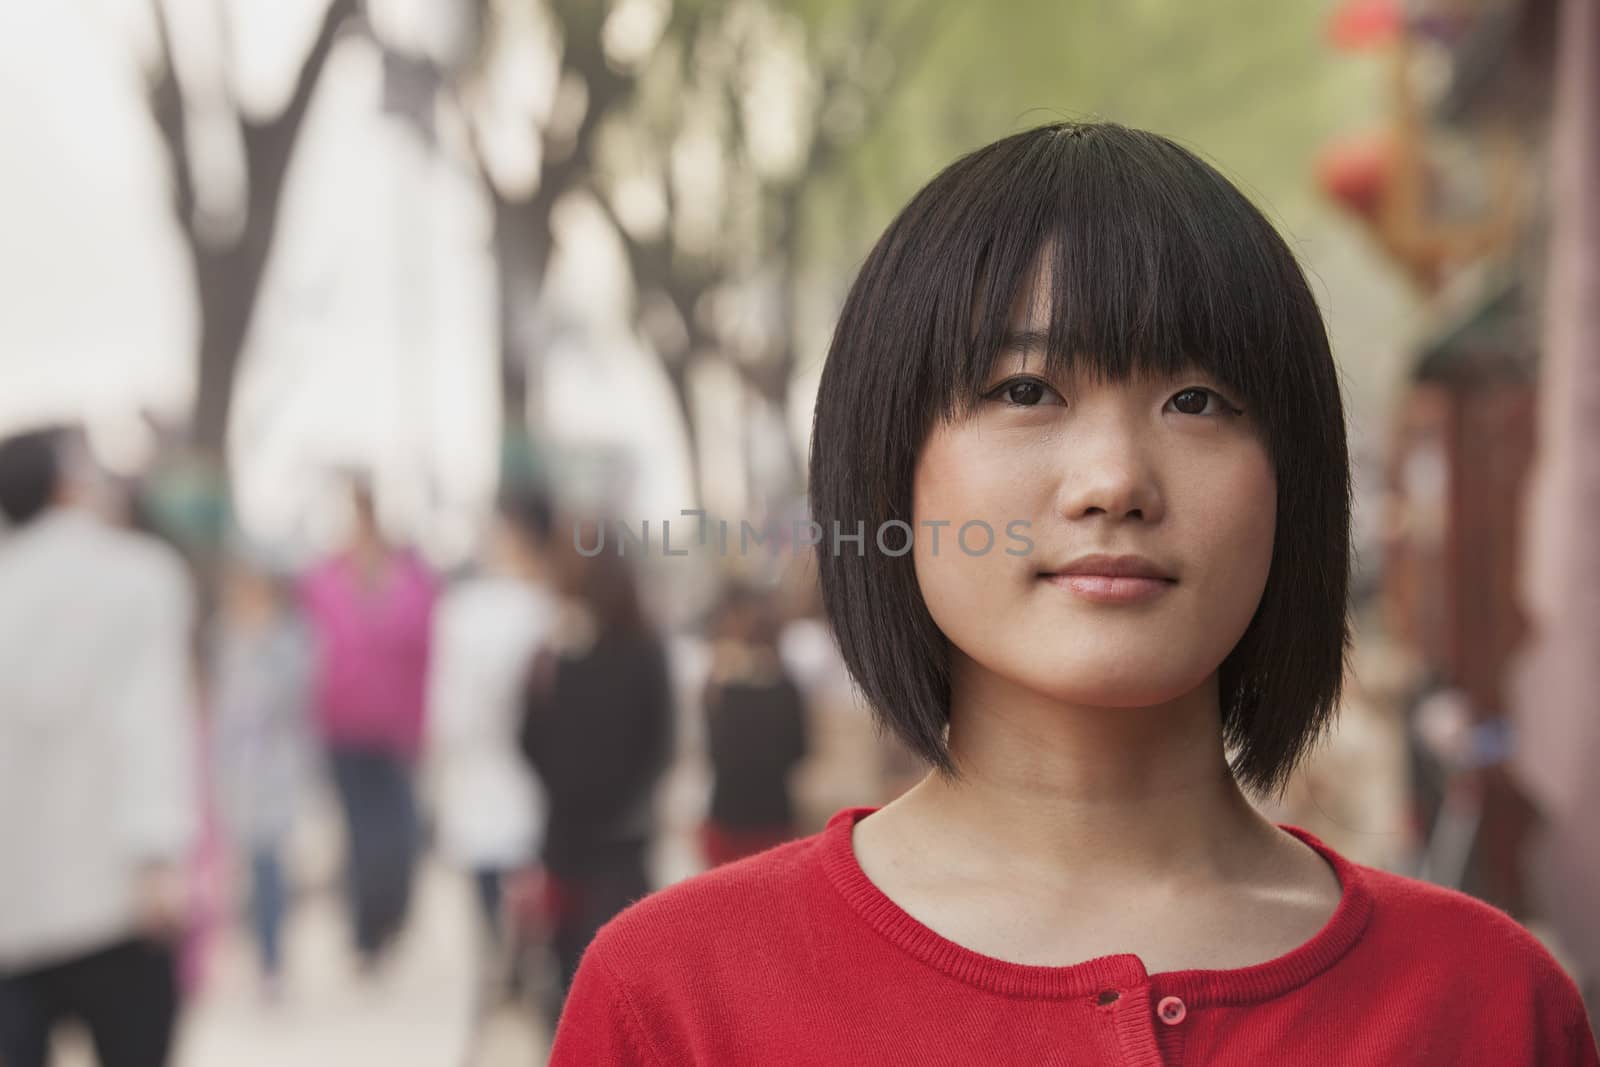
1103	589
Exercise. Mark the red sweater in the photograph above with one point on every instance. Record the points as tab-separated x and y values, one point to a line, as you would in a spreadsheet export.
795	957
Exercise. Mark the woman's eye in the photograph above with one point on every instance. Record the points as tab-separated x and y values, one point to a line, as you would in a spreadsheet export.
1021	392
1195	401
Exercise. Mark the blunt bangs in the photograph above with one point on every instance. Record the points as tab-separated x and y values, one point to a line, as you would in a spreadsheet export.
1157	265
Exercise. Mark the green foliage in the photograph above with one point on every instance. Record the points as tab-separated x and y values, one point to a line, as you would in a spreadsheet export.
1250	85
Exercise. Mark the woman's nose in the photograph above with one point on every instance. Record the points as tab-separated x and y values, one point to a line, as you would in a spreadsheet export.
1107	472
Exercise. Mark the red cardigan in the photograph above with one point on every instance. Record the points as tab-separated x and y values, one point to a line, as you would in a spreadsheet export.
795	957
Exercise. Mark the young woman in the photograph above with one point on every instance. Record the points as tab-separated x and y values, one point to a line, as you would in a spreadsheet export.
597	730
1079	456
756	729
370	610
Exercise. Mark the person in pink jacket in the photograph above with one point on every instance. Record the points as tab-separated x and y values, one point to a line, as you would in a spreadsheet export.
370	607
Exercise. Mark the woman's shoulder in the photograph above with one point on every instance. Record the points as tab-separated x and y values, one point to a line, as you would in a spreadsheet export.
1417	901
716	910
1458	929
1444	943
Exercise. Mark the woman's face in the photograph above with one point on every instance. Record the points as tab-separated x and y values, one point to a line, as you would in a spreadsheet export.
1160	469
248	596
568	567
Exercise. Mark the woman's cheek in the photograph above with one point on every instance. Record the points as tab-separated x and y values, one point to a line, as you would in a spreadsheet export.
1237	542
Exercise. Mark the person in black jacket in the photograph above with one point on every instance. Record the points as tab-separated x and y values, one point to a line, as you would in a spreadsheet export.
597	729
755	729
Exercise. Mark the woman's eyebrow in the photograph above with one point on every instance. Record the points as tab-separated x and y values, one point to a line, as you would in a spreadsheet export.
1024	342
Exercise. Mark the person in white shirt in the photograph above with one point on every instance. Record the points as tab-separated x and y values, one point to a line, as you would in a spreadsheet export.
489	805
98	790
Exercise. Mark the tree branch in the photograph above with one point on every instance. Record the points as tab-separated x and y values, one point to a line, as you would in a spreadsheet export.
269	144
166	105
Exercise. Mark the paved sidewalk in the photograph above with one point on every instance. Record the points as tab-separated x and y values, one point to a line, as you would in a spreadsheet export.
415	1012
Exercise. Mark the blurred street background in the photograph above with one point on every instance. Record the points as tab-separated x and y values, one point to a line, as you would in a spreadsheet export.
323	314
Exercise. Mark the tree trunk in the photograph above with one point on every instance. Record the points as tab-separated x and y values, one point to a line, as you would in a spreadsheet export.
523	245
228	277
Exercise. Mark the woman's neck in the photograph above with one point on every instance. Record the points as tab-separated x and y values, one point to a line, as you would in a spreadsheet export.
1061	793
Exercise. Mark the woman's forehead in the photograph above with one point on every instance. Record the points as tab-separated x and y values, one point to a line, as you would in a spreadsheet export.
1031	302
1029	352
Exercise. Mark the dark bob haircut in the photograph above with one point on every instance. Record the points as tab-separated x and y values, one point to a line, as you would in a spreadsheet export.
30	473
1158	263
529	510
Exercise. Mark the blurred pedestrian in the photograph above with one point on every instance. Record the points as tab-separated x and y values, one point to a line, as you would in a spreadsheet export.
597	729
756	729
851	762
261	737
490	808
370	607
98	795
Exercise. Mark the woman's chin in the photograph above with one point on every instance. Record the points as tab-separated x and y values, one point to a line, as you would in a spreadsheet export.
1133	688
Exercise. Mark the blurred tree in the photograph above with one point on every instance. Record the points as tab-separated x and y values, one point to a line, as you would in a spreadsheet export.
697	127
589	87
230	256
229	240
744	149
1249	86
706	180
526	156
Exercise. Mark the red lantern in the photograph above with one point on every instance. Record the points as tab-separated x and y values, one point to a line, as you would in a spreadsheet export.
1354	170
1358	24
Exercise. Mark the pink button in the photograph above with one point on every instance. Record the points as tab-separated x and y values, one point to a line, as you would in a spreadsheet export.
1171	1010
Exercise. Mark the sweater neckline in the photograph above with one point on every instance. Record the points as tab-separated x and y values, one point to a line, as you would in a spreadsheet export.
1198	987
